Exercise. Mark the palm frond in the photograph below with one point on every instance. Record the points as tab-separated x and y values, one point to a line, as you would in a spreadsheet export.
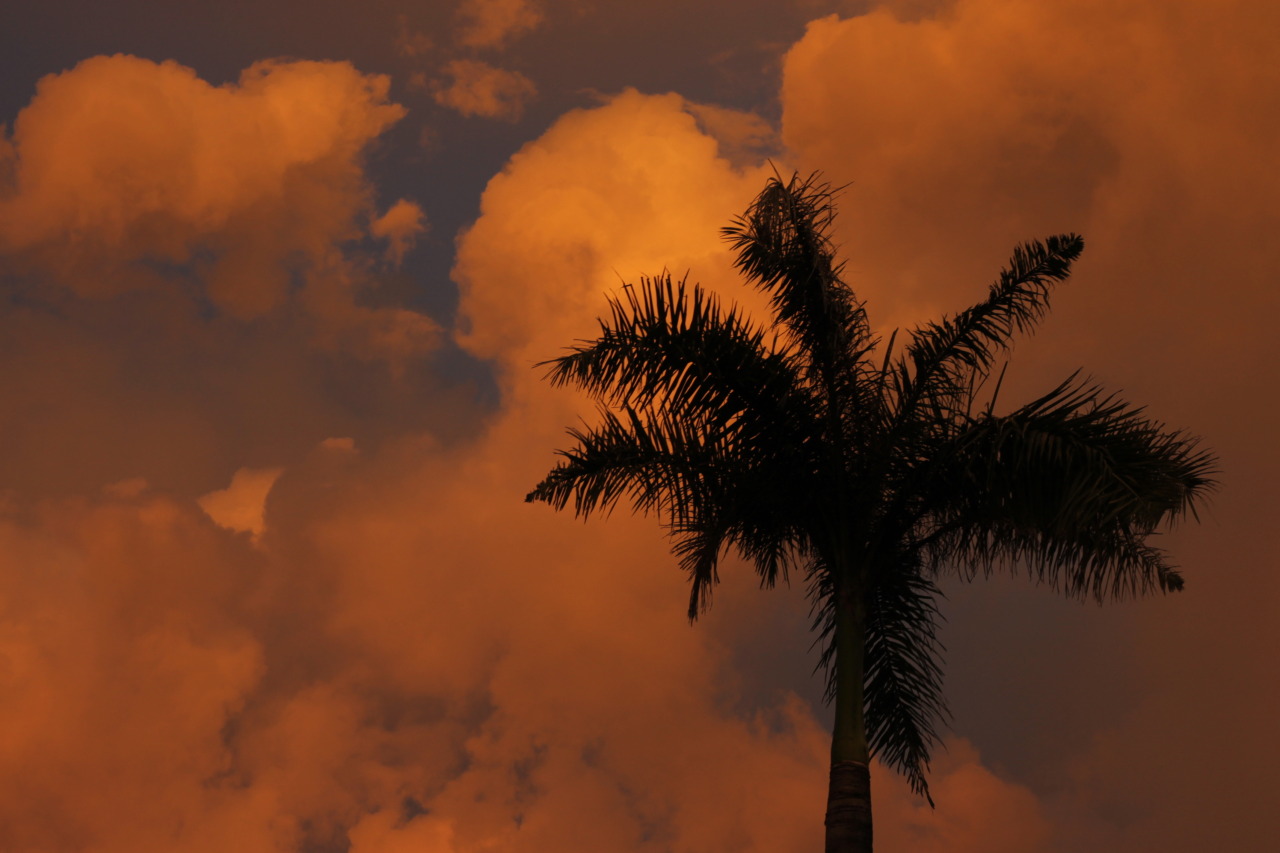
676	348
784	247
711	486
698	546
661	463
902	682
946	360
1071	485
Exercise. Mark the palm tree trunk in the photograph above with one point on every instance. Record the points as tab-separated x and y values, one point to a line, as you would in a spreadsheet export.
849	808
849	793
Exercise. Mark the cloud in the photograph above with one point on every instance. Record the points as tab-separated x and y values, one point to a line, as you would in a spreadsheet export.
136	176
495	23
963	131
1047	119
240	505
604	196
744	137
477	88
122	662
406	656
977	811
373	665
399	226
193	268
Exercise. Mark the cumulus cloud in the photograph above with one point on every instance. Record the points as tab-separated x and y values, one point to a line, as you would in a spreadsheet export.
965	129
744	137
123	661
476	88
190	267
604	196
403	655
131	175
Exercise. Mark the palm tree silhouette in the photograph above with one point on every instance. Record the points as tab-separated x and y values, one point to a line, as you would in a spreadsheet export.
808	448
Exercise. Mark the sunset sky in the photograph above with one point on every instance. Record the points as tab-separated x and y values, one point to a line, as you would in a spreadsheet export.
274	279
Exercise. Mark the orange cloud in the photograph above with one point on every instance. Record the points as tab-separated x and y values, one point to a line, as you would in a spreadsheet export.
403	655
240	505
375	665
533	269
1148	128
604	196
1055	117
399	226
122	662
131	175
494	23
477	88
977	812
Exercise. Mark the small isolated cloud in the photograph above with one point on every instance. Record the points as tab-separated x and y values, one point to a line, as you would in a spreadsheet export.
240	506
494	23
479	89
399	226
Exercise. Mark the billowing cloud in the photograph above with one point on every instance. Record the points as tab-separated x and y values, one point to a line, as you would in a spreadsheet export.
476	88
965	129
603	197
1046	119
402	654
189	266
131	175
123	660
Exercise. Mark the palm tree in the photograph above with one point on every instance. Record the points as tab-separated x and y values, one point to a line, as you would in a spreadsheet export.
808	448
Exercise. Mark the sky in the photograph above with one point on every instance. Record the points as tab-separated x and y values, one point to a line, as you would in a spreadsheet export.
273	281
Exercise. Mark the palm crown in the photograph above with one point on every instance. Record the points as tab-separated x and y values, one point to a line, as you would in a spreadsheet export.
809	447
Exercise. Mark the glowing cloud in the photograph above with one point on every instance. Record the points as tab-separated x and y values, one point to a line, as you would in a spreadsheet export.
131	175
604	196
477	88
964	129
401	655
